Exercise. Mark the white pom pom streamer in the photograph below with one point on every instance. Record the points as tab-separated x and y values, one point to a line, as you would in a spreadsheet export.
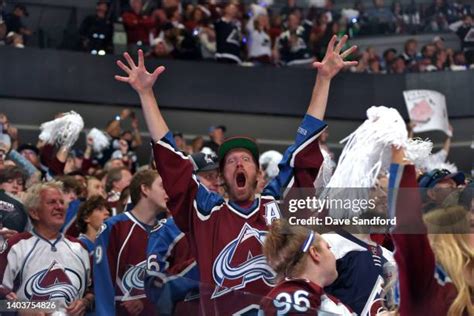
325	173
100	140
417	150
442	165
437	161
208	151
368	147
270	159
367	152
63	131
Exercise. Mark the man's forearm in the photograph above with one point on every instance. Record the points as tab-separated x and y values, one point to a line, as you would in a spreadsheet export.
447	145
113	125
319	98
154	120
137	138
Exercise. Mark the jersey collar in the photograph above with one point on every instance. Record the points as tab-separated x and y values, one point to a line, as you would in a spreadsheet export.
52	244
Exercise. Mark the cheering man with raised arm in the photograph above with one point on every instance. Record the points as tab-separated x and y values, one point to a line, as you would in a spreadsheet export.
227	236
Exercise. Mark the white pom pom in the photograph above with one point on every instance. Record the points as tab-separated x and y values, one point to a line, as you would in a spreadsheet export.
440	165
208	151
99	139
367	151
270	159
325	173
62	131
417	150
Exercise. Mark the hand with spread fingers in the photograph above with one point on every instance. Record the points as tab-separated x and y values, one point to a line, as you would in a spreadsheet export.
333	61
138	77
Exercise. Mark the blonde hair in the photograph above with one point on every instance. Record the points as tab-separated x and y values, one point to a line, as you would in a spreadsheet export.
283	248
453	252
32	196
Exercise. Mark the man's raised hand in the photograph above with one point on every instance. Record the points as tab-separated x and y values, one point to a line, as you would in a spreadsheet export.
333	61
138	77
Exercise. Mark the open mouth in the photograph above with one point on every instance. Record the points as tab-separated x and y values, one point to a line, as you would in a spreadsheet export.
240	179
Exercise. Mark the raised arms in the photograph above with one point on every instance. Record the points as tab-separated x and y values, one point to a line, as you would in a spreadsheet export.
142	82
330	66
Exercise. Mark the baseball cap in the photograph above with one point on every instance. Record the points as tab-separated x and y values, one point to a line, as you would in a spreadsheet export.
430	179
28	146
204	162
237	142
438	38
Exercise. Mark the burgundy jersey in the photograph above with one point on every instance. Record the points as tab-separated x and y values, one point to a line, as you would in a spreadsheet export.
120	265
302	297
226	238
424	288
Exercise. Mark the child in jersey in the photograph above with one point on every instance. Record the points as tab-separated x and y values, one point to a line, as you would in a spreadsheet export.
304	265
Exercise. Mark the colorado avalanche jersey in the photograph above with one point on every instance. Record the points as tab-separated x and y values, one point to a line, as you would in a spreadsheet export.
227	239
120	264
302	297
69	227
298	53
172	273
425	289
89	244
37	269
228	40
360	268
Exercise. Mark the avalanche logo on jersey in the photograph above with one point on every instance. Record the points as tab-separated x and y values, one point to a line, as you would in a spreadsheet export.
237	265
133	280
53	283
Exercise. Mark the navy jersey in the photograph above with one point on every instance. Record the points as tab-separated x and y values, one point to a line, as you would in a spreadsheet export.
228	40
298	53
120	264
360	268
172	272
227	238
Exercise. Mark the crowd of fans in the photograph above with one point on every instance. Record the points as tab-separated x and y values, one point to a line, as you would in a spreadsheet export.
258	34
433	56
50	194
